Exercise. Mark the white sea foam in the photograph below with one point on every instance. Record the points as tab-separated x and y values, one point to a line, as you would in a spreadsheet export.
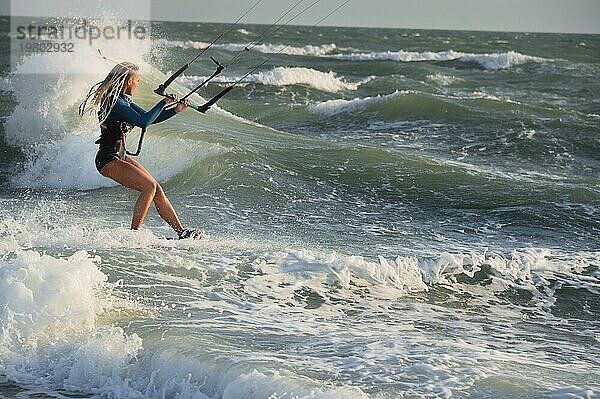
38	293
22	229
48	316
52	340
338	106
52	336
287	76
404	275
333	107
284	76
312	269
277	385
399	276
491	61
185	44
501	60
572	392
308	50
443	80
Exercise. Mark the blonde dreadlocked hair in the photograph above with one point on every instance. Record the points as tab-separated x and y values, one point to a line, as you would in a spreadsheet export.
103	96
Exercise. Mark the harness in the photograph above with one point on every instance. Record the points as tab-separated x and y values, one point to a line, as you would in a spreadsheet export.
111	132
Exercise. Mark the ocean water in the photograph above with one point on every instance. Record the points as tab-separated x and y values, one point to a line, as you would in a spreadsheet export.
388	214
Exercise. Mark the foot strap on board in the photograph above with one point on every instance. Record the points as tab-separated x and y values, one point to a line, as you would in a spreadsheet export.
190	234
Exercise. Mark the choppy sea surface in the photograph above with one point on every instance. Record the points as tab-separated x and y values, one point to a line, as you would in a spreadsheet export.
387	214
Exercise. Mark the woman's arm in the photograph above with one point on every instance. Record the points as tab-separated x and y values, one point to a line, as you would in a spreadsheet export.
135	114
165	114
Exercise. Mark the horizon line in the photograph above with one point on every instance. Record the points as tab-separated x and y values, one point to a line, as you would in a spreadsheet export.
340	26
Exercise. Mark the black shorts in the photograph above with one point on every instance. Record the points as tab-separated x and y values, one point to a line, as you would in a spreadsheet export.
107	154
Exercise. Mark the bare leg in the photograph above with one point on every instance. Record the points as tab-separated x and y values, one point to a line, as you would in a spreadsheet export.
162	203
129	176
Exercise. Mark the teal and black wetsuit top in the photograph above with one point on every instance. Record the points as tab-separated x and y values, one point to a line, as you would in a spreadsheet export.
123	117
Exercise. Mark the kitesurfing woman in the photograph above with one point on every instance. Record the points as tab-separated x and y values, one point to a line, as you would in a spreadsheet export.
117	115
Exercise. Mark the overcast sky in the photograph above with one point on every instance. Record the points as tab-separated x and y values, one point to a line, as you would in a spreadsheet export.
576	16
